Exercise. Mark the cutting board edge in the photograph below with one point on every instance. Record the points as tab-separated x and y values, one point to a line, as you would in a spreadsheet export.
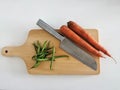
86	73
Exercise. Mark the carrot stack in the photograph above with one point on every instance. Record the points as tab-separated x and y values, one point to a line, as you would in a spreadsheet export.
78	40
85	35
83	39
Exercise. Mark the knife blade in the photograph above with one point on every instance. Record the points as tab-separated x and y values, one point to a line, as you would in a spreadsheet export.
69	46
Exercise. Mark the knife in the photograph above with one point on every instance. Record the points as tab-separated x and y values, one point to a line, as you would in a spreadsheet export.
69	46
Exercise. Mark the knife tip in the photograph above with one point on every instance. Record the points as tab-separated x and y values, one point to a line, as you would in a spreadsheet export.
38	21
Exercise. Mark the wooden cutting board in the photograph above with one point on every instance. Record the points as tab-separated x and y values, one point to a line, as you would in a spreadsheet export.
62	66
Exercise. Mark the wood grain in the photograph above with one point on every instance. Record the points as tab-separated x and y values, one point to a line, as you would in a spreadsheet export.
62	66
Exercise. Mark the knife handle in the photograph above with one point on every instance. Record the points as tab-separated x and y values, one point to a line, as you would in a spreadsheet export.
49	29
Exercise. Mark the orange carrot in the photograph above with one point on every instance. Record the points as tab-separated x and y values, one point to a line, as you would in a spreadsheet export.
78	40
82	33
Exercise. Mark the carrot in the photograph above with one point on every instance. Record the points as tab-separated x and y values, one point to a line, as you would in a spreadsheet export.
82	33
78	40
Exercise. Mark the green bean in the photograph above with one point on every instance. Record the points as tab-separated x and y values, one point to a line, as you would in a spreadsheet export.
39	47
44	52
55	57
61	56
36	64
44	46
48	45
53	52
43	59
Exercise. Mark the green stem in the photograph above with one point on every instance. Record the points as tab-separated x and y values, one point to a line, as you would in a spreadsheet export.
36	64
53	52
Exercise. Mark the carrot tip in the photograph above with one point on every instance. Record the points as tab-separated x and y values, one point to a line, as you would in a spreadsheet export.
114	60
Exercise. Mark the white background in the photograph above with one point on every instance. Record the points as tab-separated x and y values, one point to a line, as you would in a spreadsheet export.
18	17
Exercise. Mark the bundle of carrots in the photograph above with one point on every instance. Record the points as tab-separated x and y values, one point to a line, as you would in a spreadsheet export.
83	39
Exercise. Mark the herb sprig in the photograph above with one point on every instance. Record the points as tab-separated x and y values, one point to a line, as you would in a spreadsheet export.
44	52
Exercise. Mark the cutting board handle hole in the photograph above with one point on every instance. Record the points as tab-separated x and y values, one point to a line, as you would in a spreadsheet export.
6	51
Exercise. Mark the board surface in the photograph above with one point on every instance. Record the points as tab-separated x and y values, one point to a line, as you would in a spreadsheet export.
63	66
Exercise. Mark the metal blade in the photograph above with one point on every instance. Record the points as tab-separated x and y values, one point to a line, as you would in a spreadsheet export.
78	53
